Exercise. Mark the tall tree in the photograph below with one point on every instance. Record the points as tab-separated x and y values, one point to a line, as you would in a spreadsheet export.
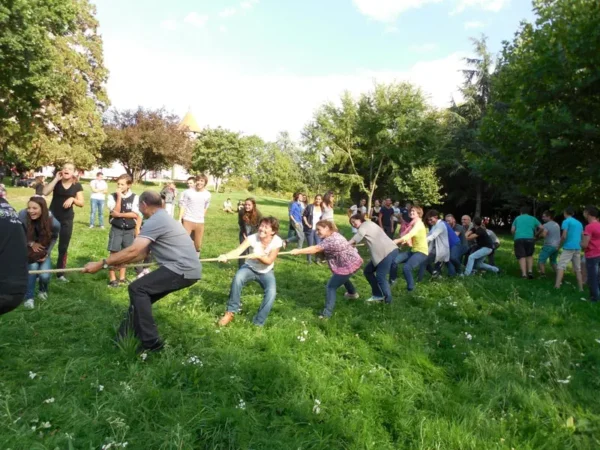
220	152
51	81
145	140
544	119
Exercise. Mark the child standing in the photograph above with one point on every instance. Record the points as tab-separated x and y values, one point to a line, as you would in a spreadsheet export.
125	223
169	194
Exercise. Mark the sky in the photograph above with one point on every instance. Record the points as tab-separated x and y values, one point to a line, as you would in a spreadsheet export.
264	66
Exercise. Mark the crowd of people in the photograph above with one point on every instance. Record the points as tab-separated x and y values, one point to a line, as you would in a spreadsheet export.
144	227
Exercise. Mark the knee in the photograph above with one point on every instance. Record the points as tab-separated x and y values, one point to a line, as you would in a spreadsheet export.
44	277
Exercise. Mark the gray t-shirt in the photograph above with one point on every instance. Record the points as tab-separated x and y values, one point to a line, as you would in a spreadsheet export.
553	237
463	239
380	245
171	246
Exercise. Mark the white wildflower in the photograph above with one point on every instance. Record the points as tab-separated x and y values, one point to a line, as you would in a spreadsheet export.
217	331
69	436
305	332
143	356
567	381
49	400
45	425
317	406
468	336
301	338
194	360
100	388
32	375
241	404
597	340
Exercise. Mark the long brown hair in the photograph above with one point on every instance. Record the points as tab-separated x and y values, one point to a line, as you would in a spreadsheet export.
45	223
327	199
251	217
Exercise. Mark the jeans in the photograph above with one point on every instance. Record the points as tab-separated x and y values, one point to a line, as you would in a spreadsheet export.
266	280
313	239
44	277
299	230
377	276
411	261
592	273
97	206
143	293
330	291
456	253
476	260
64	239
427	264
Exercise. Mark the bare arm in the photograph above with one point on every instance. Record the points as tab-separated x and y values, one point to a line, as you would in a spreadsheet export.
236	252
307	250
50	186
138	248
79	200
585	241
513	229
270	258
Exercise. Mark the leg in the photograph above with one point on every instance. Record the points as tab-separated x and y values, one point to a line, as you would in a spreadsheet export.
267	281
565	257
101	213
199	236
415	260
400	259
474	257
241	262
382	273
242	277
529	263
93	207
577	268
111	273
425	265
330	292
488	267
592	271
31	280
146	291
369	272
64	238
310	238
189	226
44	278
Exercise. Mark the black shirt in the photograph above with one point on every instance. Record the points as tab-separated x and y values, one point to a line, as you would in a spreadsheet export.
386	216
59	196
483	239
13	252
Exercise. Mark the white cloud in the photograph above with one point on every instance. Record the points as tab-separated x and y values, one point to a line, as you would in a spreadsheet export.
474	25
486	5
423	48
228	12
169	24
389	10
223	29
248	4
226	95
196	19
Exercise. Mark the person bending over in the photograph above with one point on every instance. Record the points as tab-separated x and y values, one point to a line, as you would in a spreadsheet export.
264	247
178	268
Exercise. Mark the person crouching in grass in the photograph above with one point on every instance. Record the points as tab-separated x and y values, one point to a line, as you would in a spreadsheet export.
343	258
125	223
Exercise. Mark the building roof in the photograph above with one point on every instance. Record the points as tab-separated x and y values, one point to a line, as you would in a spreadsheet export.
189	121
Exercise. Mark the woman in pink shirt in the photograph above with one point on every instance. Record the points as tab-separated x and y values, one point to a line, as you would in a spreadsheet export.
591	244
344	261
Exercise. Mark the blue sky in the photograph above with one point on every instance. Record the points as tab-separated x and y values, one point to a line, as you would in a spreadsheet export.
263	66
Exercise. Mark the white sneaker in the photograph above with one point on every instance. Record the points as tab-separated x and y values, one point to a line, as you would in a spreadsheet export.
351	296
28	304
43	295
63	279
91	226
393	282
375	299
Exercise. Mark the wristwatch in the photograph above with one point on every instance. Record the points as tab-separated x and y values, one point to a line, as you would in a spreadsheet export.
104	264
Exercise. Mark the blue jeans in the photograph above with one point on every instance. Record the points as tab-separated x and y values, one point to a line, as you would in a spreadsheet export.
313	239
476	261
44	277
591	265
97	206
266	280
456	253
411	262
377	276
330	291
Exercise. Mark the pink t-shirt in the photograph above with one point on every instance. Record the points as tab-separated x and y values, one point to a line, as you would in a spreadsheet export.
342	257
593	231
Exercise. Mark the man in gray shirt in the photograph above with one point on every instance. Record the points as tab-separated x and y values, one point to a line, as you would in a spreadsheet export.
179	268
551	234
383	254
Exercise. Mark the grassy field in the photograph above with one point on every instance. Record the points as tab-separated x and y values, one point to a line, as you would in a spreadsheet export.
483	363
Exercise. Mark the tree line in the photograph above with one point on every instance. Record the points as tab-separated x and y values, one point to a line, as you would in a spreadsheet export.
524	130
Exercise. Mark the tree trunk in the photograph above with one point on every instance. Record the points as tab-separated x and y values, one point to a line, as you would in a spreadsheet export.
478	199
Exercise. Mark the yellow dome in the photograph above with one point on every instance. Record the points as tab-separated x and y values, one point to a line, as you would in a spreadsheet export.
189	121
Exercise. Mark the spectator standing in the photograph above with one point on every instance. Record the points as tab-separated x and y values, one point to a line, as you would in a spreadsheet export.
99	190
572	233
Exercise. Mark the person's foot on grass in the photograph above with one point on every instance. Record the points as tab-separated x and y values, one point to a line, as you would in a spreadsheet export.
374	299
28	304
113	284
62	279
351	296
530	275
124	281
43	296
228	317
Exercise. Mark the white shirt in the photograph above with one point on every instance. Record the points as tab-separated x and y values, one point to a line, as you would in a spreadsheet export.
101	185
396	212
195	203
111	203
257	247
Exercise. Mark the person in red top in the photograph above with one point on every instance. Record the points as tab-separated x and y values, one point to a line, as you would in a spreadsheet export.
591	244
344	261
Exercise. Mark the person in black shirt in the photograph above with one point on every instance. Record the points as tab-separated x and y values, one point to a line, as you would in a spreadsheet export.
386	214
66	192
13	257
484	246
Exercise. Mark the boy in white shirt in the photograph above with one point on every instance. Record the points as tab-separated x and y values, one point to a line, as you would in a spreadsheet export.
99	191
192	210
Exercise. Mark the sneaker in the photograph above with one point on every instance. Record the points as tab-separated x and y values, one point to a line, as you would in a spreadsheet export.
113	284
393	282
351	296
102	227
28	304
91	226
530	275
43	295
228	317
62	279
374	299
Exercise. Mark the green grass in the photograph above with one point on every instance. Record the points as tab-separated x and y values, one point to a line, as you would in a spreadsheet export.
387	377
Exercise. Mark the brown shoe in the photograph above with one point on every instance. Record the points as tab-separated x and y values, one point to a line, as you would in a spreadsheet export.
228	317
